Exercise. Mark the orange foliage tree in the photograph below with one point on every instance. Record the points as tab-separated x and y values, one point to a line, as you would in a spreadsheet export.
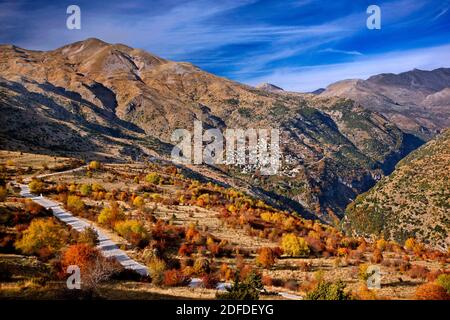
265	258
431	291
80	255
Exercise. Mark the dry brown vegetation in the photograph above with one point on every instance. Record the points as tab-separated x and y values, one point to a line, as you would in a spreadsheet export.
182	228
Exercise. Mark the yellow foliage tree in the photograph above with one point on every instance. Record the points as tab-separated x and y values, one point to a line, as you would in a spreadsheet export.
381	244
410	244
266	216
153	177
36	186
73	188
75	204
85	189
109	216
277	217
96	187
44	237
94	165
139	202
294	246
10	163
132	230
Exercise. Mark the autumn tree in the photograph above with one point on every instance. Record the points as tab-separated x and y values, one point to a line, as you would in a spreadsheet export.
210	281
80	255
431	291
175	278
10	163
36	186
185	250
109	216
75	204
444	281
3	193
94	165
94	268
96	187
85	189
377	256
132	230
294	246
88	236
35	209
44	237
202	266
265	257
156	267
153	177
139	202
381	244
410	243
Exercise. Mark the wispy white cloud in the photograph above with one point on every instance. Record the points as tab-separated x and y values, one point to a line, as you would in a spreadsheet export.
305	79
441	13
348	52
196	31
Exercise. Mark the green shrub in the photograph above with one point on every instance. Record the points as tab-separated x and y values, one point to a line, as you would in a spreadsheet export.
36	186
153	177
248	289
156	267
444	281
132	230
232	101
88	236
245	112
329	291
85	189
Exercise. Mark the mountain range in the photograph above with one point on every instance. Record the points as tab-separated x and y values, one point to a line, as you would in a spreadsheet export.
96	100
417	101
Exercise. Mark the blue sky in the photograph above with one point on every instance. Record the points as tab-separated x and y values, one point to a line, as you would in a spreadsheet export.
299	45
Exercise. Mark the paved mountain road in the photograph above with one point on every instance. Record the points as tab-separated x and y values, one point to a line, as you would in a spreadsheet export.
107	246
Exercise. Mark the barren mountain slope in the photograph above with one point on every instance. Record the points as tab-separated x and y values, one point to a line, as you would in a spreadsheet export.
95	98
416	101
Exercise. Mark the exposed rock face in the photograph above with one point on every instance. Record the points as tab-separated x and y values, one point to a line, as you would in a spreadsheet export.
269	87
414	201
416	101
92	98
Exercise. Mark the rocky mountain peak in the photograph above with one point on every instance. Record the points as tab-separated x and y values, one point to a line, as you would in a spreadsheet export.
269	87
